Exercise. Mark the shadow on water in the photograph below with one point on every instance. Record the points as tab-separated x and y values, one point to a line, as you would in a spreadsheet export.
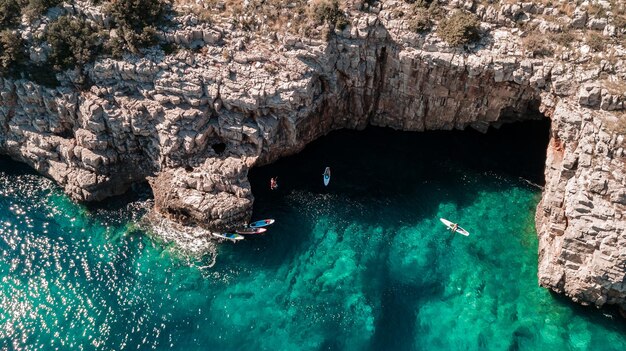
380	161
608	317
11	167
378	167
137	192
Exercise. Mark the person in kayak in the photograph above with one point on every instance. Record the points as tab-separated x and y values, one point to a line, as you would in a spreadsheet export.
273	183
455	227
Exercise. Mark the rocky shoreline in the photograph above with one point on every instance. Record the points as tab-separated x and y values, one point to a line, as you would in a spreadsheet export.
194	122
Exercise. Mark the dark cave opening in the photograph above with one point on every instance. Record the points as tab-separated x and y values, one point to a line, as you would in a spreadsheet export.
382	159
219	148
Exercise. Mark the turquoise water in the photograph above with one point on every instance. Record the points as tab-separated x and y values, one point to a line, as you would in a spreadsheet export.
361	265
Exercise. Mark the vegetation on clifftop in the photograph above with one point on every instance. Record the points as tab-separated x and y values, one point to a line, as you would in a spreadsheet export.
459	29
72	41
310	18
34	8
9	13
543	28
11	51
135	22
12	10
328	11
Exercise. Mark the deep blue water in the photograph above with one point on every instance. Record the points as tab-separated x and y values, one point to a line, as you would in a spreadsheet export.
363	264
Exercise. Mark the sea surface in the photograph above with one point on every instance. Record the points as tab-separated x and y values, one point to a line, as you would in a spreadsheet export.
363	264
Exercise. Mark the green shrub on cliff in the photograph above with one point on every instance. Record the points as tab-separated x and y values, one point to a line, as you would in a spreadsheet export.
135	22
36	8
130	41
137	14
459	29
328	11
12	51
9	13
12	10
537	45
423	13
419	20
72	41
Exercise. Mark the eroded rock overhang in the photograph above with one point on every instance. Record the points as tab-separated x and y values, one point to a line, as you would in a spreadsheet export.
346	83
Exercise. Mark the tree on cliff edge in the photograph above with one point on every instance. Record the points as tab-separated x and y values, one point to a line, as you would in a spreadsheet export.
11	51
72	41
459	29
9	13
135	22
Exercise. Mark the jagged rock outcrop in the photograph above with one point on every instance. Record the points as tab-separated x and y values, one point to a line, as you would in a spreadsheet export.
194	123
581	219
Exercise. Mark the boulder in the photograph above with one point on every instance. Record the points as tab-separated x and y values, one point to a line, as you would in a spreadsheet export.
589	95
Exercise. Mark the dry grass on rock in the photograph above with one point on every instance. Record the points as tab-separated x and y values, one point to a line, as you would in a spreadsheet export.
270	16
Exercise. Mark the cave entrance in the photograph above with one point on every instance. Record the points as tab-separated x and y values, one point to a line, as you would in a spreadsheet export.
219	148
386	160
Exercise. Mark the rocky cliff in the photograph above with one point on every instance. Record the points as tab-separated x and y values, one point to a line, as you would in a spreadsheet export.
193	123
581	219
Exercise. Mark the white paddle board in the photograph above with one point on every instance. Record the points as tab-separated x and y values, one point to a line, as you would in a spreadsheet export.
326	176
450	225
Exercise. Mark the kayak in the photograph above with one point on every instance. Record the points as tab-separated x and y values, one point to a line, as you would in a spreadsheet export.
251	230
326	176
229	236
262	223
450	225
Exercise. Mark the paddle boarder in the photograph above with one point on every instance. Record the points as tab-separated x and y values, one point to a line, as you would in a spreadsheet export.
326	176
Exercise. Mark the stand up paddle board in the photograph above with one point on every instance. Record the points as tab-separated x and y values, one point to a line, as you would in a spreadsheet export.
326	176
228	236
450	225
246	231
261	223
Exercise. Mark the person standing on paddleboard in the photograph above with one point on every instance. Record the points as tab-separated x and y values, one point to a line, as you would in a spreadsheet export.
326	176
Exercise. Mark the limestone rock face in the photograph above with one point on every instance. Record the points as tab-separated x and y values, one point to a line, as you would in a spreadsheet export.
194	122
581	219
579	19
216	193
